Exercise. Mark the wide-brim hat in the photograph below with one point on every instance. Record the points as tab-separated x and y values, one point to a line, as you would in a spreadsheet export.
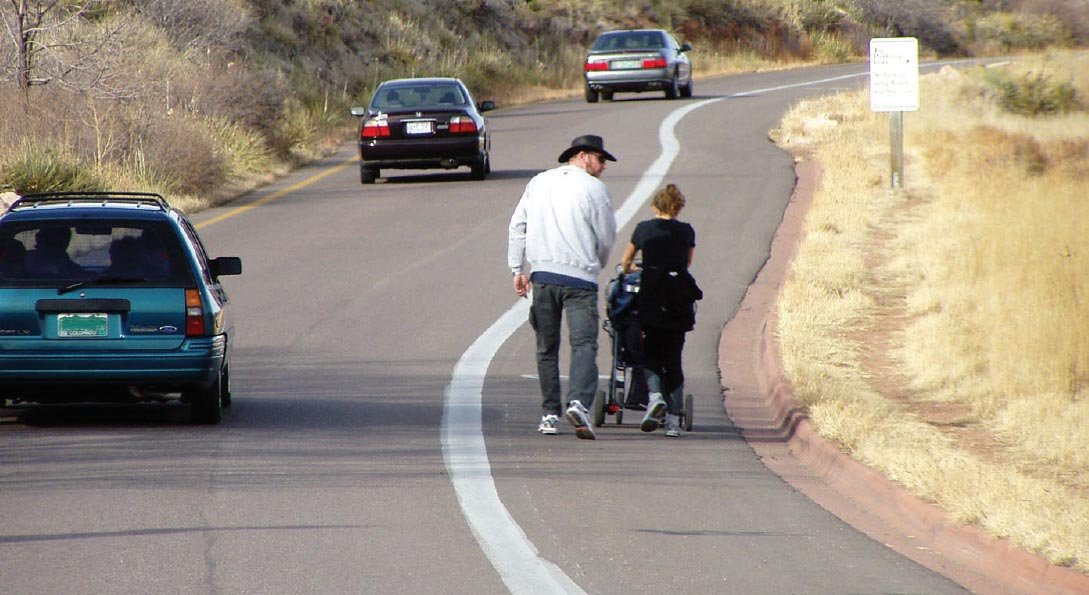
586	142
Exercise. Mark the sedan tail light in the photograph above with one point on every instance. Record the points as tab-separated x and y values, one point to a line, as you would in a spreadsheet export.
194	314
655	63
375	128
462	125
592	66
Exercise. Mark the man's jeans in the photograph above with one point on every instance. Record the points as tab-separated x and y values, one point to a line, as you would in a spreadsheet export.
550	302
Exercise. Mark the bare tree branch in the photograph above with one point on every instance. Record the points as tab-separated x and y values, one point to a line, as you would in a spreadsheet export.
27	22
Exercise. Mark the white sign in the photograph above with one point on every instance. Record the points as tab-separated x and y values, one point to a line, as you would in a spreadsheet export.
894	74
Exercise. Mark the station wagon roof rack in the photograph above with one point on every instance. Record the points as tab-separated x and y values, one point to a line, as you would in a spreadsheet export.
103	198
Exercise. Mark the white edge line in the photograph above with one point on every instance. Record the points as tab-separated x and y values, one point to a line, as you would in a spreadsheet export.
464	452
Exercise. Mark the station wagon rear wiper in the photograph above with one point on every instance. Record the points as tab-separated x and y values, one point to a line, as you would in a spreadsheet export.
99	281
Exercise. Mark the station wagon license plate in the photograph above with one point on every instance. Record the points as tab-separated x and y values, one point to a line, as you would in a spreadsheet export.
417	127
625	64
82	325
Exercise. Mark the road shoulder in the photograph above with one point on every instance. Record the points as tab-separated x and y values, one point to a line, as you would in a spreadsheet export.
759	400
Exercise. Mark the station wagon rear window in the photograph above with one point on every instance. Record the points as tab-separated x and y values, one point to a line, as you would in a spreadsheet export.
62	252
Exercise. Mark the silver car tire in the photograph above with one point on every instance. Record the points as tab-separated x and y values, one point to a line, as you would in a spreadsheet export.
673	91
686	90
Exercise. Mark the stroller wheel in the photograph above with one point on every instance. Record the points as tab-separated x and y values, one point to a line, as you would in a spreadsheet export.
689	403
598	408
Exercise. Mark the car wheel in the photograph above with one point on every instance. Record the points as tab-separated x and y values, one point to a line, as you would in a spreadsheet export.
225	390
480	167
206	406
606	95
367	174
591	95
686	91
673	90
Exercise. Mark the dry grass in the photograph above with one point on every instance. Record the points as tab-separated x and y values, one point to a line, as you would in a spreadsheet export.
973	283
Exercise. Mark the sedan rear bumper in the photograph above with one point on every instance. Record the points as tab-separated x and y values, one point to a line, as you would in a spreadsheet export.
630	80
431	153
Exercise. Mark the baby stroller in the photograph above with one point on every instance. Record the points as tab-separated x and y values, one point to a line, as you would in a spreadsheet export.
626	374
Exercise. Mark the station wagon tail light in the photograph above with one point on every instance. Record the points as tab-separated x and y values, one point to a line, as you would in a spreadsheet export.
596	65
375	128
462	125
194	314
655	63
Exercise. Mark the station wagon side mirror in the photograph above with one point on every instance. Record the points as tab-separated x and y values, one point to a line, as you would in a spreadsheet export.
359	111
486	106
686	47
226	265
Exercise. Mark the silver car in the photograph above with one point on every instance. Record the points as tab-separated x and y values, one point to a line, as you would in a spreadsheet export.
637	60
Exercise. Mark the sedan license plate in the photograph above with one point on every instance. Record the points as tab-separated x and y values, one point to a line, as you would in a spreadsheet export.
82	325
625	64
418	127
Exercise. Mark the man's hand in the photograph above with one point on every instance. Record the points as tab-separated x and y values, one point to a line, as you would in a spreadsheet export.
521	285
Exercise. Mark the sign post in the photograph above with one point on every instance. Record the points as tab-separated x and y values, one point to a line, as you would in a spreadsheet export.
894	88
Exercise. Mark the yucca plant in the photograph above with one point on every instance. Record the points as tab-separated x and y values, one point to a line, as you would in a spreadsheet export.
39	169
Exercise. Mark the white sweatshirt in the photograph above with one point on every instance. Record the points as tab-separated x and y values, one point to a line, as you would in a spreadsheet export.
564	223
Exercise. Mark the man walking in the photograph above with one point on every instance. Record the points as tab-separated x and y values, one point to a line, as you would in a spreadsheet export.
563	228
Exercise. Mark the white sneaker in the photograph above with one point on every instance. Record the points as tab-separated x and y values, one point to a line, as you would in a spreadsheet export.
654	413
579	416
549	425
673	425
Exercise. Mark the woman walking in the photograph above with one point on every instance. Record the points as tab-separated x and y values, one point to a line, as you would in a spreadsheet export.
666	303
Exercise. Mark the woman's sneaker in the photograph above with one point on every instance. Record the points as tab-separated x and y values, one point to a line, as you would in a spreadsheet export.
672	425
549	425
654	413
579	417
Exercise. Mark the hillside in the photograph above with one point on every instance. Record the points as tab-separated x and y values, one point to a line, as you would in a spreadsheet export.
202	99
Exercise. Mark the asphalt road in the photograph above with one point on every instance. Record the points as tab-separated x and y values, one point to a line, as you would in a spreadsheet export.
364	311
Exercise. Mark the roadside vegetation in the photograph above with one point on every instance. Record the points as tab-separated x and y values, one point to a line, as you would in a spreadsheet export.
940	332
203	99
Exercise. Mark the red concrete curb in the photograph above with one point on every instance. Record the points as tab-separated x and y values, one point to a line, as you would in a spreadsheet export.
760	401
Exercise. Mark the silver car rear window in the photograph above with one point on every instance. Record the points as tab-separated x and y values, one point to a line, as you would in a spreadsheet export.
629	40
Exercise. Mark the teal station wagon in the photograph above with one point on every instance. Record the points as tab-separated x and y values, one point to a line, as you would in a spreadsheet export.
111	297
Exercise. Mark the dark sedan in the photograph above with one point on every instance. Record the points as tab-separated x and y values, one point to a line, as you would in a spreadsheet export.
637	60
423	123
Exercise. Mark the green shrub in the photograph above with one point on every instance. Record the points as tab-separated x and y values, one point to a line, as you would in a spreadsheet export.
1008	31
298	127
179	154
1032	94
242	150
830	47
40	169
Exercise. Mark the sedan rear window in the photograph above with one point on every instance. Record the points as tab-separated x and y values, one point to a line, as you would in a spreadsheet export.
48	253
629	40
419	96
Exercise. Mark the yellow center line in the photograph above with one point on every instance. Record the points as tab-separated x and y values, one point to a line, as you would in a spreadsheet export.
279	193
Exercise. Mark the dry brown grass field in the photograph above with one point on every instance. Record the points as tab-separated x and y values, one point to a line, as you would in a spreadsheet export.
939	332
